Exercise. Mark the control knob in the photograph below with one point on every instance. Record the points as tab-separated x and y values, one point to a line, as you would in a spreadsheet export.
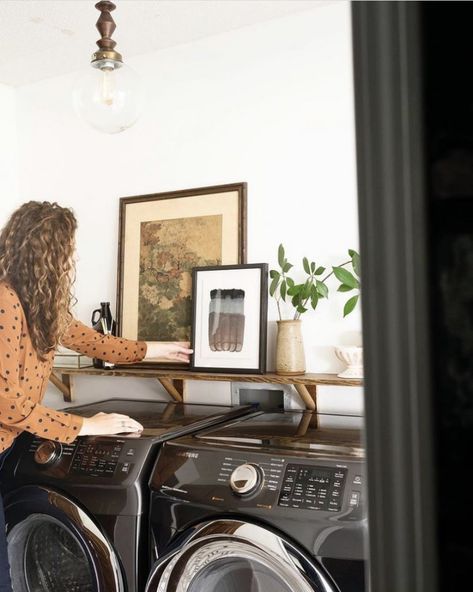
246	479
48	452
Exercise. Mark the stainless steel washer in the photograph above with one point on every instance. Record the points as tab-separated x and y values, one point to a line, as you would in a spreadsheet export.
77	515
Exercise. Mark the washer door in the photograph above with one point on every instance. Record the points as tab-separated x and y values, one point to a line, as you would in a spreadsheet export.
235	556
54	546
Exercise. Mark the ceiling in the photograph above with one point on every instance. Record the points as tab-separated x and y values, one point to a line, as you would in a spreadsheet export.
44	38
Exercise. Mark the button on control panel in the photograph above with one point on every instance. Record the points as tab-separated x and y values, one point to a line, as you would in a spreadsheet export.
97	458
312	488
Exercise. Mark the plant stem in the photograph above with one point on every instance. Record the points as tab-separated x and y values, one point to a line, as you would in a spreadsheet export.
331	273
279	308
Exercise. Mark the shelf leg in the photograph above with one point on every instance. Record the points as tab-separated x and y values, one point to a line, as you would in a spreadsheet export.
306	396
64	384
304	424
172	388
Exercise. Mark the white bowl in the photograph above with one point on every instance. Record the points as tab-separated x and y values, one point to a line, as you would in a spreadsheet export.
352	356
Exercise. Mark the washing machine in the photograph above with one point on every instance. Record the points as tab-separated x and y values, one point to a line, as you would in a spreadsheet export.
271	503
77	514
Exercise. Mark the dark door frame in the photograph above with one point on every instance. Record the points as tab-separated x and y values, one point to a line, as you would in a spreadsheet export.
393	237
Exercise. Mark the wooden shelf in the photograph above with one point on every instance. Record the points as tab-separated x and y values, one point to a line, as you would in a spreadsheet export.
174	381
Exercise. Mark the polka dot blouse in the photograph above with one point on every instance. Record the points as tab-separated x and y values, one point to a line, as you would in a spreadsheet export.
24	377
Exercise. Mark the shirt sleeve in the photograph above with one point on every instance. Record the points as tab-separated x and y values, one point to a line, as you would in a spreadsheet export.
17	409
116	350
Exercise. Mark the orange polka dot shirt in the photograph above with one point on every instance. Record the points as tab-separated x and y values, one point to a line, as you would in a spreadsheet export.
24	377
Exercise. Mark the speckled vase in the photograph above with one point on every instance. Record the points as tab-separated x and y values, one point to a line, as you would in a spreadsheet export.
290	357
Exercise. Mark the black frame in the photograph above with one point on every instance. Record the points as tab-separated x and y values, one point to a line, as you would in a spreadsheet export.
263	328
393	236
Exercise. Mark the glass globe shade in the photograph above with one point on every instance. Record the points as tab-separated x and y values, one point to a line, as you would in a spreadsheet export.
109	96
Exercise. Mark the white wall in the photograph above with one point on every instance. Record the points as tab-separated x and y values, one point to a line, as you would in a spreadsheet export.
270	104
8	151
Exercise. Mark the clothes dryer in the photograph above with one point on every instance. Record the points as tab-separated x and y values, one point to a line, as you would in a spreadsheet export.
270	503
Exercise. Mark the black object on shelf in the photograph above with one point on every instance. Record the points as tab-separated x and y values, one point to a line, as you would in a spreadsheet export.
103	322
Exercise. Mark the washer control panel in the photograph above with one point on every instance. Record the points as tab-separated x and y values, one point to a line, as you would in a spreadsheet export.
86	457
312	487
96	458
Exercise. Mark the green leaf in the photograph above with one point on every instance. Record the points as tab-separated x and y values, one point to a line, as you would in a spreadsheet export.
273	273
282	290
355	261
301	309
294	290
312	266
305	292
350	305
352	252
319	270
286	266
305	264
346	277
290	282
314	300
344	288
322	289
273	286
295	300
281	255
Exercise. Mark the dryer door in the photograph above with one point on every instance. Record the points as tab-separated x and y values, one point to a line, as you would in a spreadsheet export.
236	556
54	546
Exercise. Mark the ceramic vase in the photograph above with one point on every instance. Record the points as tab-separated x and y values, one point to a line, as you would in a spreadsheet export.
290	357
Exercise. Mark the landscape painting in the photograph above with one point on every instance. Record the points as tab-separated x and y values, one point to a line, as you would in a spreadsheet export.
169	249
162	237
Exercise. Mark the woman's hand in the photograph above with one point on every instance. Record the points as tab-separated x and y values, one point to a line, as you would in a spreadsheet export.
179	352
107	424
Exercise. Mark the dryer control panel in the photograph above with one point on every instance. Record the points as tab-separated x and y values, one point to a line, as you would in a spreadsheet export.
256	481
312	488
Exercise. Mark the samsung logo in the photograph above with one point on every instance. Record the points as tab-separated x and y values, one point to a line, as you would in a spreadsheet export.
189	454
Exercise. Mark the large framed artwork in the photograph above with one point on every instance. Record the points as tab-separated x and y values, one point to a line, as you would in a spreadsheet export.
229	325
163	236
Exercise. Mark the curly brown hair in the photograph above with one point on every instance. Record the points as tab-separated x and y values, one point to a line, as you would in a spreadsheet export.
36	260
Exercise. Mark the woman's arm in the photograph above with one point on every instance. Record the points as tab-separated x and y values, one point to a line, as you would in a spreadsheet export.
115	350
118	350
17	407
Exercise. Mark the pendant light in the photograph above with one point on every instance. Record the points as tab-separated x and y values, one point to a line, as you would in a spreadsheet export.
109	96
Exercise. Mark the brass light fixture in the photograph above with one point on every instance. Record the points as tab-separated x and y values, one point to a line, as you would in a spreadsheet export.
109	96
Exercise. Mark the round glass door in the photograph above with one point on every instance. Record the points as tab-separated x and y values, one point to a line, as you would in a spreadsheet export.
237	574
45	556
260	562
55	546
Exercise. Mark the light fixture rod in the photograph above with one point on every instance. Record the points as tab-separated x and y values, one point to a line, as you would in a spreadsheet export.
106	27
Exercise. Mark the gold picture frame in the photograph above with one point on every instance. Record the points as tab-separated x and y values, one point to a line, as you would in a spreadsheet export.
162	237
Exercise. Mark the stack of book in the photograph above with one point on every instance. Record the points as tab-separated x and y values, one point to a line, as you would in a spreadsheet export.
67	358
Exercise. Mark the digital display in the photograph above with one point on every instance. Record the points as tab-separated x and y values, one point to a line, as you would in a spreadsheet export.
312	488
96	458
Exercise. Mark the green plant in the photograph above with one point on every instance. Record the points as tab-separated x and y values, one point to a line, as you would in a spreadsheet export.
349	281
314	287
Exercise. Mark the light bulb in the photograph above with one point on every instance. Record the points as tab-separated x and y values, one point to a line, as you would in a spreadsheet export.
109	96
108	87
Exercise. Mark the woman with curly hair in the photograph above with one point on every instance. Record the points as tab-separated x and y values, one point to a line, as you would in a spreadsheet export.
36	276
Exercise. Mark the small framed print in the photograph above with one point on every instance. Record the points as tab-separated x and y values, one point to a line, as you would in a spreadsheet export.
230	307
